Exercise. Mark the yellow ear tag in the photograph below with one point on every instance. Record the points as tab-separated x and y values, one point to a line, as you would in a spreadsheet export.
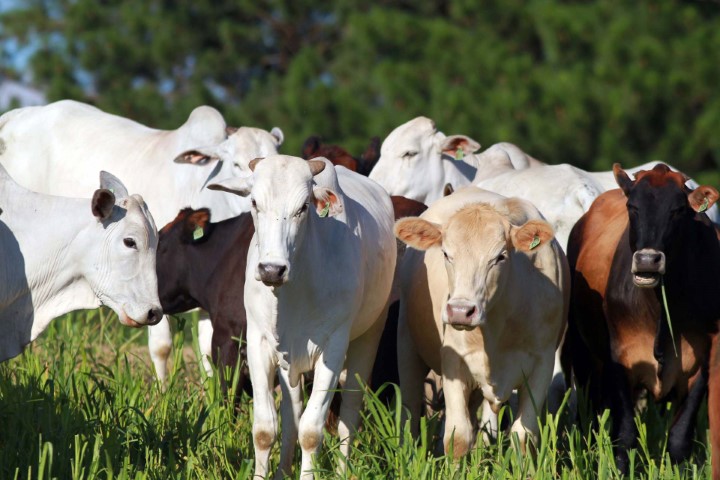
459	154
704	206
535	242
198	233
324	212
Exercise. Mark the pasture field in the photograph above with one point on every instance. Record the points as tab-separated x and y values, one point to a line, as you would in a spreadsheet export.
81	403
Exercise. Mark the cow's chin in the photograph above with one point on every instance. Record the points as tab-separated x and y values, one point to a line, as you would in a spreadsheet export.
646	279
274	284
126	320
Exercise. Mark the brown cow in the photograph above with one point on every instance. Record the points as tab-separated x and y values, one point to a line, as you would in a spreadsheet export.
714	406
629	243
314	148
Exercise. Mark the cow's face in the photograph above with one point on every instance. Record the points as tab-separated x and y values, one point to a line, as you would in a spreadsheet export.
118	258
659	209
411	160
189	228
479	246
283	199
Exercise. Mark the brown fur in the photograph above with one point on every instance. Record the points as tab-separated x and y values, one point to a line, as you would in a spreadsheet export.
714	406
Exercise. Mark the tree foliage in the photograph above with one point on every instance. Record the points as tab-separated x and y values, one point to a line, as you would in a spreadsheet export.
589	83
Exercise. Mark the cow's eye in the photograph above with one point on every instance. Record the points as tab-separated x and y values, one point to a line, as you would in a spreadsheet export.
409	154
447	257
501	258
302	210
254	204
236	165
130	243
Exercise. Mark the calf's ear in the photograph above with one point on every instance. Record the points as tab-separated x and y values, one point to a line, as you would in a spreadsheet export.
237	185
327	203
102	203
458	146
532	235
196	225
703	198
279	136
199	156
418	233
622	178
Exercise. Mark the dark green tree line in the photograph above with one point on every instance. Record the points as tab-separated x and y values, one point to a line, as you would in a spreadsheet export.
589	83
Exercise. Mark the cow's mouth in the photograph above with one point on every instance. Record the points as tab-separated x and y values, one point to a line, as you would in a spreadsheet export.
646	279
129	322
462	327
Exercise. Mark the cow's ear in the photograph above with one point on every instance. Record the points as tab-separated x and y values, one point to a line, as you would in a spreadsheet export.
108	181
102	203
199	156
622	179
196	225
532	235
418	233
237	185
279	136
703	198
327	203
448	190
457	146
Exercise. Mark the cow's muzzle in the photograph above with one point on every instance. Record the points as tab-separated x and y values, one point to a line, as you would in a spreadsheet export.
648	265
152	317
462	314
272	274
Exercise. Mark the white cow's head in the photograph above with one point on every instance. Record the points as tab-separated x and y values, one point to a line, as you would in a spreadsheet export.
117	258
284	200
480	247
416	161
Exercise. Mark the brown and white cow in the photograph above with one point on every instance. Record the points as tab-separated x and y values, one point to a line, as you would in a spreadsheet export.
633	240
487	267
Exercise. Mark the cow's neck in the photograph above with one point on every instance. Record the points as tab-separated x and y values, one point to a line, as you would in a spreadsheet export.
52	235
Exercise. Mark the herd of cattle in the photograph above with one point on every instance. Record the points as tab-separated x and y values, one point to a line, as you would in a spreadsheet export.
301	260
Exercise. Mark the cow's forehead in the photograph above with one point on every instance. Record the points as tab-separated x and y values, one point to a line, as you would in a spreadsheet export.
476	226
279	175
660	176
138	214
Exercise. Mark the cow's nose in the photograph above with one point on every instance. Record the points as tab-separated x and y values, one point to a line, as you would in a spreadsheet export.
154	316
272	273
462	314
648	260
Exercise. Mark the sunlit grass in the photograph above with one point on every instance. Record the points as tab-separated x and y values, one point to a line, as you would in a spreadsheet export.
81	402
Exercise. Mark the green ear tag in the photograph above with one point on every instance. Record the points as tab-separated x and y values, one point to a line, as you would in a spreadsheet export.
459	154
198	233
704	206
535	242
324	212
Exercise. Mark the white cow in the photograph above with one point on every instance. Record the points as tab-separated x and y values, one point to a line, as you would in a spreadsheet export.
59	148
64	254
417	161
484	305
319	273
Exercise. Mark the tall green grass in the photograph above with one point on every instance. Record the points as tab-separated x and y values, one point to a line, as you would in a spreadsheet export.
81	403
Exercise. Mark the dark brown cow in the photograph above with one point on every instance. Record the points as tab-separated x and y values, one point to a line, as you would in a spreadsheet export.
202	265
621	251
313	148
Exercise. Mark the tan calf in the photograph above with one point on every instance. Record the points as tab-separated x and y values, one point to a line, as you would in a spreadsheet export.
484	300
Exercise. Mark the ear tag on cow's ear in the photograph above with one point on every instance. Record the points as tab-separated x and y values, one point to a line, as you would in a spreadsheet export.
459	154
704	206
198	233
535	242
324	212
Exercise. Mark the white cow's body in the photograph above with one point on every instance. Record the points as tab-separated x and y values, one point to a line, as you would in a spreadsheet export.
57	257
332	280
486	312
59	149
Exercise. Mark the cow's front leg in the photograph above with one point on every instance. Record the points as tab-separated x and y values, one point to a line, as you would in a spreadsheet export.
262	374
325	380
160	346
359	362
683	428
531	400
459	432
290	409
205	335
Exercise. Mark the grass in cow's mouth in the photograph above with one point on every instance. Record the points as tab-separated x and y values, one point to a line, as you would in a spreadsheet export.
81	403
